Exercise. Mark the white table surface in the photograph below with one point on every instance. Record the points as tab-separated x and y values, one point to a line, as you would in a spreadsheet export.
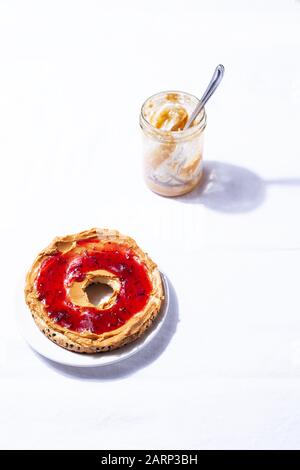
225	370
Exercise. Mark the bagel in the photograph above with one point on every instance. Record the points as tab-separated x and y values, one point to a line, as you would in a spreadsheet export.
56	284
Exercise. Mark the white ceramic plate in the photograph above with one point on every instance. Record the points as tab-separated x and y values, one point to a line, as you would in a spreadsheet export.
50	350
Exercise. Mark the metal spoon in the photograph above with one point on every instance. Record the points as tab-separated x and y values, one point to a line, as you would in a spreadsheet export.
213	85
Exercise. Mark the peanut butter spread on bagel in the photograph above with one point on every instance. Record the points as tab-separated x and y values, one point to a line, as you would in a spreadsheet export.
56	294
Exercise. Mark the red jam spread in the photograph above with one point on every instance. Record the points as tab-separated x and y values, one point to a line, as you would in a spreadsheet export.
60	270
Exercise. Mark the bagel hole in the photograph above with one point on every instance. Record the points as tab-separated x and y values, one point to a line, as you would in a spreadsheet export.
98	293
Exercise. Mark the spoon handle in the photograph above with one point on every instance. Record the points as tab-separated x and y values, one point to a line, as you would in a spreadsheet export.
212	86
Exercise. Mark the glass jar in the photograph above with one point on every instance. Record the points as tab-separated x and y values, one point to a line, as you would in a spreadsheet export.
172	159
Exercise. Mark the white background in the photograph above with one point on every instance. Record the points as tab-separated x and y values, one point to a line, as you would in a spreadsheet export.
225	369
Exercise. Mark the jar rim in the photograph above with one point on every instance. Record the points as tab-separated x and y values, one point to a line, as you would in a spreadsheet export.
181	134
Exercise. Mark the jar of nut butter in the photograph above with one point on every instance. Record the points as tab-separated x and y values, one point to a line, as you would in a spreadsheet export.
172	155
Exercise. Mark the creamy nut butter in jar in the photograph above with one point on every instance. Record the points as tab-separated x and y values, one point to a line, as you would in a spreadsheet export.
172	155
